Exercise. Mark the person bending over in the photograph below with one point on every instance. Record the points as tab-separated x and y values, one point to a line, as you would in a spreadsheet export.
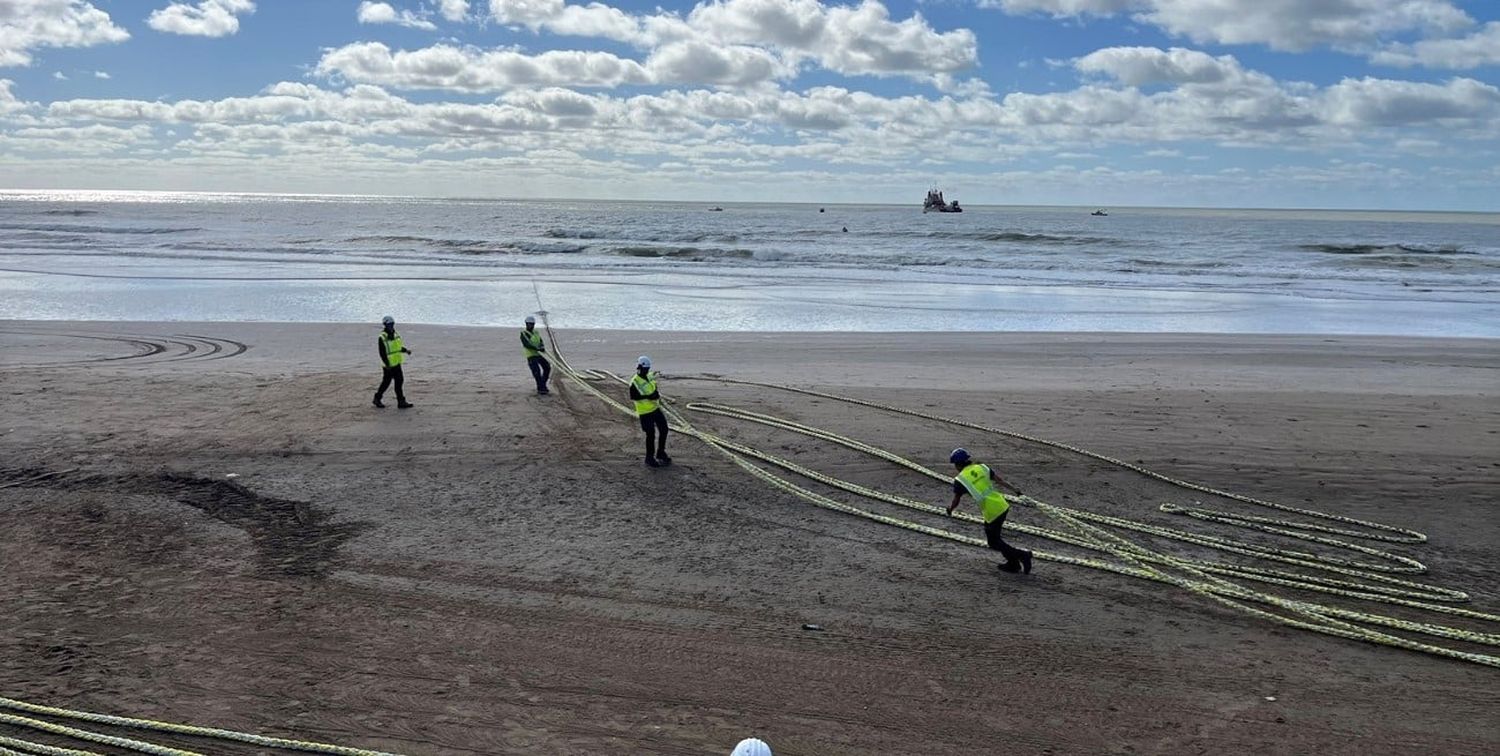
983	484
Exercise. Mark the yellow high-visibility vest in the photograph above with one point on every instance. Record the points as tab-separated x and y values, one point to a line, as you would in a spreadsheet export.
976	480
392	344
644	386
532	343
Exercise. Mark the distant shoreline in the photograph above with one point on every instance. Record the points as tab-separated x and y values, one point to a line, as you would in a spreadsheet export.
1051	340
125	195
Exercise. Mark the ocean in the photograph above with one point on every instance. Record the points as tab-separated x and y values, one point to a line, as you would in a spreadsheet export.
747	267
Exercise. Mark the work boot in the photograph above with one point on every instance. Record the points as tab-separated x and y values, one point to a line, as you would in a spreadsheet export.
403	404
543	391
378	403
1011	567
1026	563
663	459
651	462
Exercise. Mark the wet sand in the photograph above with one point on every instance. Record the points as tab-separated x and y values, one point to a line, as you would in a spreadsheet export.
496	572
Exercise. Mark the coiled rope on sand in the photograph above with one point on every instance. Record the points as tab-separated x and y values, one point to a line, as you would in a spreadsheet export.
1369	576
1360	578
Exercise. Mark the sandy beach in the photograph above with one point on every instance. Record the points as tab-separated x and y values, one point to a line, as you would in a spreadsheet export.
231	535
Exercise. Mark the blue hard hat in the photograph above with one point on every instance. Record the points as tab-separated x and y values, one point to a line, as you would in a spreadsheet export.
959	456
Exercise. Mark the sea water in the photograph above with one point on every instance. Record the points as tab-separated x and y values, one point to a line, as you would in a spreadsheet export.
687	266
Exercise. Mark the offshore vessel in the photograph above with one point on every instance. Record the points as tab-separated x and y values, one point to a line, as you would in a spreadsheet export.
935	204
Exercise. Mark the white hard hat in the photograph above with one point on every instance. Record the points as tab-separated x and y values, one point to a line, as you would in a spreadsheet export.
751	747
643	362
530	320
388	320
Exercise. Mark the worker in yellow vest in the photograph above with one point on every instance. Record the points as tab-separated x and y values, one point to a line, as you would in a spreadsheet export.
647	400
534	349
983	484
392	354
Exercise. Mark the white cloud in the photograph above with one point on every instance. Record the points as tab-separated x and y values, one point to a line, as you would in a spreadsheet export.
1301	25
1296	25
971	87
101	74
1216	98
384	13
1482	48
702	63
1383	102
59	75
1140	66
592	20
1246	107
744	135
1063	7
471	70
858	39
29	24
865	40
9	103
453	10
209	18
54	141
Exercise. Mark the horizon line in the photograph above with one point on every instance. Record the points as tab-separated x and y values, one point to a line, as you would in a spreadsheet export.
463	198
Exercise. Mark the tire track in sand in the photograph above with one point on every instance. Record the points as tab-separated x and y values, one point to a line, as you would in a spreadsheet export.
148	349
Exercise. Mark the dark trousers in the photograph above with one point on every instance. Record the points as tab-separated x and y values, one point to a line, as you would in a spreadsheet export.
992	534
652	423
391	375
541	370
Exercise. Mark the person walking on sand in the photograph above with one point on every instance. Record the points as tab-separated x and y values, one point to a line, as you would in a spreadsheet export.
647	400
983	484
392	354
532	345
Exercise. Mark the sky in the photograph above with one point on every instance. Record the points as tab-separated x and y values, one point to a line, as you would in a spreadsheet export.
1384	104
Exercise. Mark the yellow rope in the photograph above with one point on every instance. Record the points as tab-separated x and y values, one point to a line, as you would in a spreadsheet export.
89	735
1082	529
29	748
1386	532
148	724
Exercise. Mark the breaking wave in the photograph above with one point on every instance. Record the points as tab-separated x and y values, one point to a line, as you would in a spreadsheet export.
699	237
1385	249
392	239
75	229
683	253
1023	238
680	237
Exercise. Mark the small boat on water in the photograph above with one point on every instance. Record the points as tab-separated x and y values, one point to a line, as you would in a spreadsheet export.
935	203
1098	212
716	209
